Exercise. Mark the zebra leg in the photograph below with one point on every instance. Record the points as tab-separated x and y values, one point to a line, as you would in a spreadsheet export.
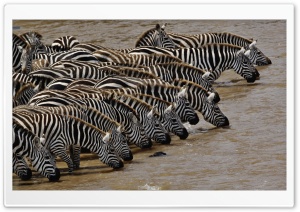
75	155
65	157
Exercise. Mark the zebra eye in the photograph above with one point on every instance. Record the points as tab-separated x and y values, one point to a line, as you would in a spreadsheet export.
157	125
47	157
174	120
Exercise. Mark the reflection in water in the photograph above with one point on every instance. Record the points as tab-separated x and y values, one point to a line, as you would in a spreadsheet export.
248	155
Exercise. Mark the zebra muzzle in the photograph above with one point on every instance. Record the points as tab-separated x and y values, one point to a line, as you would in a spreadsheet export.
128	157
167	139
28	175
55	177
184	134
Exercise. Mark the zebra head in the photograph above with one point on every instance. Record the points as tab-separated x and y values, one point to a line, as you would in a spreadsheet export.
184	109
33	148
136	133
26	58
44	161
172	122
154	128
119	142
256	56
155	37
108	154
212	114
244	67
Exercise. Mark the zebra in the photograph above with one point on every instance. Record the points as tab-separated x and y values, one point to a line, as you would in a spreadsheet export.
199	98
89	47
16	53
95	118
62	131
149	118
128	117
183	107
187	72
195	41
64	43
133	60
134	72
155	37
66	82
27	144
168	116
78	72
215	57
30	52
24	94
38	64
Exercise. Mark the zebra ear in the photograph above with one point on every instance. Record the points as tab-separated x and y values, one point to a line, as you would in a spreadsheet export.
163	26
182	92
37	142
206	75
174	105
210	97
253	44
247	53
106	138
169	109
36	88
151	113
20	48
241	51
119	129
157	27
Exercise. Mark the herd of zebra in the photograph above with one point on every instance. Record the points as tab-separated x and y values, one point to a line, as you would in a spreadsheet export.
70	95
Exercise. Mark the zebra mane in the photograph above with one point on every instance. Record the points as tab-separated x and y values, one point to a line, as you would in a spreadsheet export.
27	36
18	126
23	89
83	122
155	56
153	97
129	108
146	33
124	70
183	65
83	107
19	41
127	96
189	84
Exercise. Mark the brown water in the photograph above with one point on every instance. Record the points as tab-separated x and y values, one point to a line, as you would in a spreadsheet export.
250	155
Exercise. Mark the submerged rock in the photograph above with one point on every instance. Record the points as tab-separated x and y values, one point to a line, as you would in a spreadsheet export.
157	154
